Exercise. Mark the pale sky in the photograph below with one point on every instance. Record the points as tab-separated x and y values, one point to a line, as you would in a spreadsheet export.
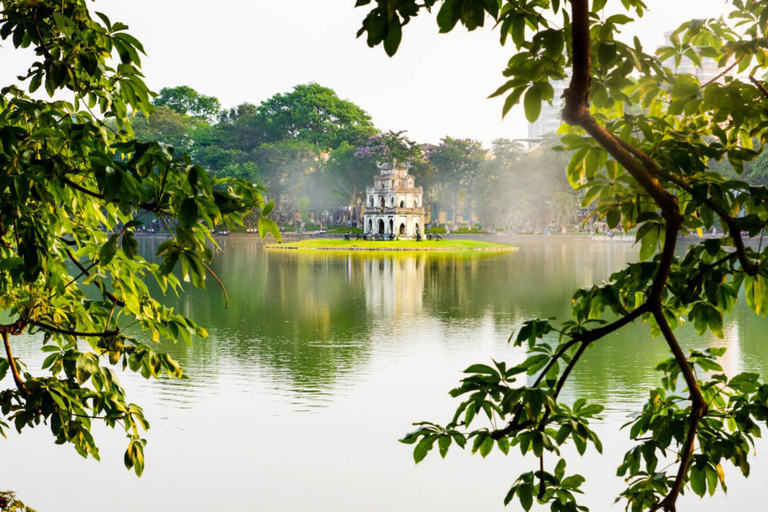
246	51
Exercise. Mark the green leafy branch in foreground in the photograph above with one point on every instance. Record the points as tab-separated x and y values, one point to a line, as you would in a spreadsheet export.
74	188
9	503
643	138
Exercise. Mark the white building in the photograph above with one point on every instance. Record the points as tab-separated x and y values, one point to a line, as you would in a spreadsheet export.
394	204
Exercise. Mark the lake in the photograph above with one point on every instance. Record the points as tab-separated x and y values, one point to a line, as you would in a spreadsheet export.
323	360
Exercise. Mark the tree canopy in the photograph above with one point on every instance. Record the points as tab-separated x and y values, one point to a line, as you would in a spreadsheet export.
314	114
76	186
185	100
643	137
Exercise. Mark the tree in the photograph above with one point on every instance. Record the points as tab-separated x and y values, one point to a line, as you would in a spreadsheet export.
390	148
167	126
456	162
187	101
642	137
75	187
349	175
288	167
314	114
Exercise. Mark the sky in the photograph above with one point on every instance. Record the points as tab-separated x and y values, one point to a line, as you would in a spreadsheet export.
246	51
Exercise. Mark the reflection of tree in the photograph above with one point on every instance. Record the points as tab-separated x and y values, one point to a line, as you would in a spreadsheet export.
308	321
302	316
318	311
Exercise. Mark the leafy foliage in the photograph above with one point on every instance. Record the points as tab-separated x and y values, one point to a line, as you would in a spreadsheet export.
75	187
187	101
645	143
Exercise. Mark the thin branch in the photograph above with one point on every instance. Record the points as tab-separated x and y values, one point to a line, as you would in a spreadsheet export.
759	86
47	327
146	206
698	411
83	272
726	70
12	363
223	289
86	271
585	338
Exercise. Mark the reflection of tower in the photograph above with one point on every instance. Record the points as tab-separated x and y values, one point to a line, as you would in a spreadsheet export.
731	360
394	285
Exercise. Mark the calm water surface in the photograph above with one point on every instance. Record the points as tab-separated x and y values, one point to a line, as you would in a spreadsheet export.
322	361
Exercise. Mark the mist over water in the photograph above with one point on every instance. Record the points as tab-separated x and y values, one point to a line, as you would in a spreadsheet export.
323	360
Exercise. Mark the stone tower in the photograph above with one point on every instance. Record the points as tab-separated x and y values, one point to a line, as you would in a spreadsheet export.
394	204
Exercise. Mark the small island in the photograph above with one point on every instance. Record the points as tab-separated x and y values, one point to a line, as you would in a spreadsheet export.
325	244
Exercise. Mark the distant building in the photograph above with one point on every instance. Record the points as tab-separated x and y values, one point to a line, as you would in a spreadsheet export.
550	118
394	204
706	72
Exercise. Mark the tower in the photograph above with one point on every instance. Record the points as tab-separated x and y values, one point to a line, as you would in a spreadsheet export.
394	204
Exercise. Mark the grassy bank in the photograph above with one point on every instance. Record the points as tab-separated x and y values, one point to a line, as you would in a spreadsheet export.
397	245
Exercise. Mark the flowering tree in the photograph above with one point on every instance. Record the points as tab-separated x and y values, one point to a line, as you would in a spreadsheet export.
390	148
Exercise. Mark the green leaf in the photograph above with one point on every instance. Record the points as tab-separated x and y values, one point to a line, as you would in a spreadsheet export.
525	493
108	250
503	443
649	243
188	212
512	99
712	479
394	35
130	245
486	446
10	263
613	217
606	54
532	103
698	480
424	446
481	368
443	442
411	437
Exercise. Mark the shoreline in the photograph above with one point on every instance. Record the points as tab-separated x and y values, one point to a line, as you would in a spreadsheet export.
392	249
341	245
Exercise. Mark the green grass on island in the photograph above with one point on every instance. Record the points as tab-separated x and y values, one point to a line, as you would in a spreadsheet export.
396	245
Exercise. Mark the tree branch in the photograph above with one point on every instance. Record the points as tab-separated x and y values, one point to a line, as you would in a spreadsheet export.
646	172
86	272
146	206
12	363
698	411
221	285
47	327
585	338
760	86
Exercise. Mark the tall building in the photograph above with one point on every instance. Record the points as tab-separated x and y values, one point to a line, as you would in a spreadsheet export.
550	120
708	70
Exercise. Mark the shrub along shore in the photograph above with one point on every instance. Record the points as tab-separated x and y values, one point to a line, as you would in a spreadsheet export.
326	244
